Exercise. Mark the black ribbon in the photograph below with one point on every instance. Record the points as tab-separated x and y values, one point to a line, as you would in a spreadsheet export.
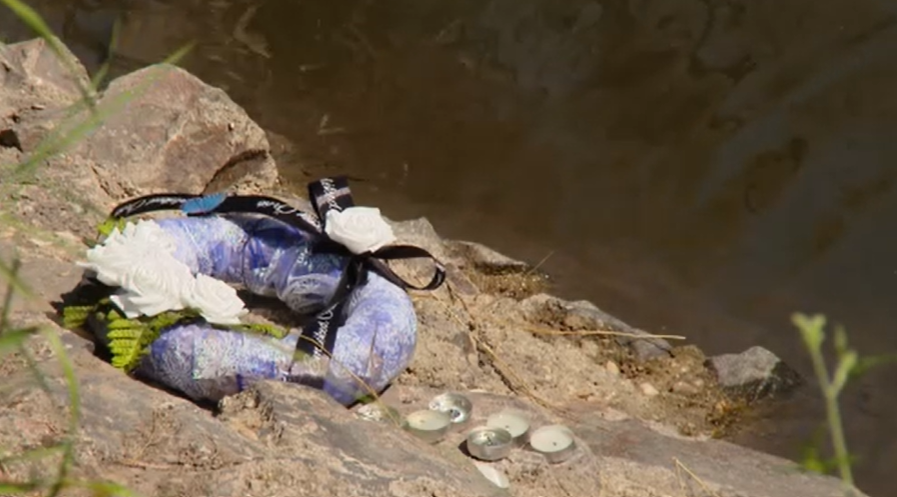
319	335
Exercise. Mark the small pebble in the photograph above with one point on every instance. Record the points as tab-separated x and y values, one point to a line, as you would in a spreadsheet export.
684	388
612	368
648	389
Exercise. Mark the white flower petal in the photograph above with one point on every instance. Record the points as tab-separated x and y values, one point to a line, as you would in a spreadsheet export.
124	304
360	229
217	301
139	260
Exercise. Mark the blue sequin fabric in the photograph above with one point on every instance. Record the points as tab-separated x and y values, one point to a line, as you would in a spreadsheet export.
271	258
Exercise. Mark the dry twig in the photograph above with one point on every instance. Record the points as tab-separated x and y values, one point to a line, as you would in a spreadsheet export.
683	467
547	331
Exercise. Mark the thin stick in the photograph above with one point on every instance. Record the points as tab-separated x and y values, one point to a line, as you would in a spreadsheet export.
364	384
547	331
514	381
537	266
695	477
133	463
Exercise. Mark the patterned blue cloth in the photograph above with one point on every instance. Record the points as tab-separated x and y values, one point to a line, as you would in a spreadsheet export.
273	259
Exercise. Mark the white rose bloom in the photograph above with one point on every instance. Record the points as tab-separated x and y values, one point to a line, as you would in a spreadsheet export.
216	300
114	258
153	285
360	229
139	259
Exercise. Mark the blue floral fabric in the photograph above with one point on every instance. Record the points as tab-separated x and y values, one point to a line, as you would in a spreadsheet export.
271	258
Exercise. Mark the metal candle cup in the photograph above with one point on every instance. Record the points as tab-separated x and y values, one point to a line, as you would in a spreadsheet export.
513	421
430	426
489	444
456	405
555	442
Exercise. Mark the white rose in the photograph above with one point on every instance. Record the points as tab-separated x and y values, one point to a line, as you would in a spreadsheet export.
153	285
360	229
114	258
139	259
215	300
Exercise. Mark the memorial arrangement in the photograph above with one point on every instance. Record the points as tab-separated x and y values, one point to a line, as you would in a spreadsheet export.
164	301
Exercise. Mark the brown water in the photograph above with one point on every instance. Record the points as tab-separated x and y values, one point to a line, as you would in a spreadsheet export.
702	167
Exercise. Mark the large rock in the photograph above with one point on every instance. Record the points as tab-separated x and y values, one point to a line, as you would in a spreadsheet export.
280	439
34	79
169	131
160	129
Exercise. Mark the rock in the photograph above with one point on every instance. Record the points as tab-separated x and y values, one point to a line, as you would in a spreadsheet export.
584	315
484	257
623	456
169	131
685	388
33	82
163	130
285	439
648	389
754	374
635	458
612	368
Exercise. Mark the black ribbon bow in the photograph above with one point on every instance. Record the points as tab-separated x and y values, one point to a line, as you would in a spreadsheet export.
319	335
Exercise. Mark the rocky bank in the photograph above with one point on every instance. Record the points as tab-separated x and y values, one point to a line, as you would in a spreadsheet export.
646	411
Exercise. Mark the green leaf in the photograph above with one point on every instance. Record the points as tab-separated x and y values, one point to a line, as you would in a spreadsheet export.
133	332
811	329
76	316
845	366
111	224
260	328
840	340
864	364
123	324
101	73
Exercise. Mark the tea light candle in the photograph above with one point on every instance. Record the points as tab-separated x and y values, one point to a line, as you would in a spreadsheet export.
428	425
555	442
456	405
489	444
513	421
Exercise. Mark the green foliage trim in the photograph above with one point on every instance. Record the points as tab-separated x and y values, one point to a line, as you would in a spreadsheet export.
111	224
76	316
129	339
260	329
105	229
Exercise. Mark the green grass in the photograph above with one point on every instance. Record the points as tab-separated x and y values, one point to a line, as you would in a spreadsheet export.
14	340
82	118
848	365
